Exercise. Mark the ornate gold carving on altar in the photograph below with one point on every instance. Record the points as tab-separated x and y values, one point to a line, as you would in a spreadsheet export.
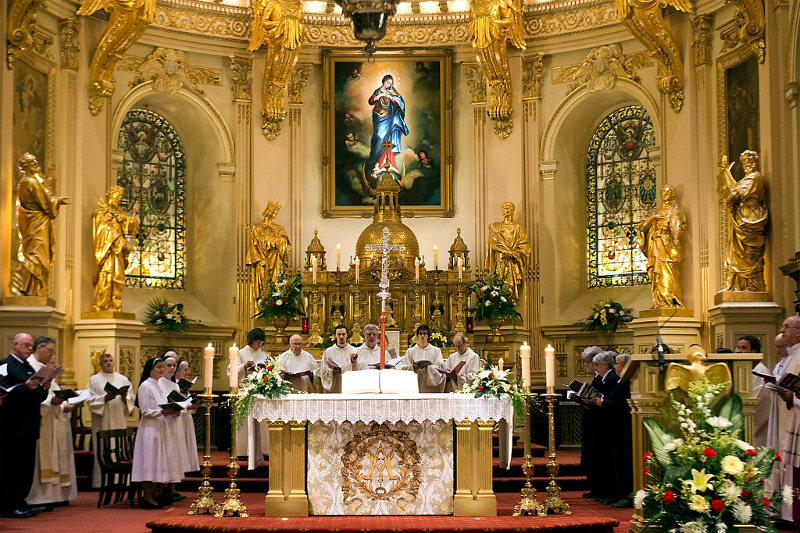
750	23
492	25
380	464
111	248
37	208
748	223
601	68
68	43
128	19
316	249
279	25
169	71
532	67
298	83
645	20
23	24
508	250
702	37
242	74
476	83
659	238
679	376
268	249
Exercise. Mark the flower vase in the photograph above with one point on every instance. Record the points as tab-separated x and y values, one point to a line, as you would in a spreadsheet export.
280	323
494	336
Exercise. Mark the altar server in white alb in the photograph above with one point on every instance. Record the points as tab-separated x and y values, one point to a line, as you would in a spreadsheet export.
154	463
186	421
54	480
429	377
174	426
790	437
250	356
109	409
463	354
335	361
298	366
368	353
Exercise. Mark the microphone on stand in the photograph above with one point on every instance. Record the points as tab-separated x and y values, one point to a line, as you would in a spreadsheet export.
662	364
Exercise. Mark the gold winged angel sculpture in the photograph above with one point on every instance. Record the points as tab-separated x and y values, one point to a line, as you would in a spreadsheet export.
127	21
492	24
279	25
679	376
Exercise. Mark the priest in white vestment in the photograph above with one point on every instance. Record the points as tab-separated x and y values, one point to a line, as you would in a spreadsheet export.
54	480
368	353
298	366
463	353
429	377
109	410
249	357
335	361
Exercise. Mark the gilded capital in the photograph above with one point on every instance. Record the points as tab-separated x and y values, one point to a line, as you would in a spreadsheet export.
298	83
532	76
68	30
242	74
702	37
476	83
23	22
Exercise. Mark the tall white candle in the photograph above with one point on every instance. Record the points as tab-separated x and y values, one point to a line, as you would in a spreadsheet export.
416	269
358	263
435	257
208	368
500	363
460	263
338	257
233	368
314	269
525	356
550	368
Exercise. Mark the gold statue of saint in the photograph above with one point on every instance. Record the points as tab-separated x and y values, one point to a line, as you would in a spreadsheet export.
659	238
268	249
112	250
679	376
509	249
37	208
748	221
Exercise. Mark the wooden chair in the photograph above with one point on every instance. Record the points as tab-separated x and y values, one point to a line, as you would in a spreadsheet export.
80	431
115	456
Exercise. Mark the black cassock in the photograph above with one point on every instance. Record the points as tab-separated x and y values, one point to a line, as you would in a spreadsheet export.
615	404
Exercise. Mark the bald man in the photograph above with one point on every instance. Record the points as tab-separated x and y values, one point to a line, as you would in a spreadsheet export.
298	366
19	427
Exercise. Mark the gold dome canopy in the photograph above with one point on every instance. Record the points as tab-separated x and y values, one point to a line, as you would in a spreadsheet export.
387	214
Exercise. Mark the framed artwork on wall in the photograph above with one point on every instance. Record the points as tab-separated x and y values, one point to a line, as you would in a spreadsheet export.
395	110
32	117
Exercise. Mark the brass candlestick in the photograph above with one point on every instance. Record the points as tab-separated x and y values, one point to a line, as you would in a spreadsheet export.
315	338
232	506
356	337
460	325
552	501
528	504
204	503
415	304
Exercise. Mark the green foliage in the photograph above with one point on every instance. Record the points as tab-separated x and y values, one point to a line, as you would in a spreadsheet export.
282	298
167	316
493	299
606	316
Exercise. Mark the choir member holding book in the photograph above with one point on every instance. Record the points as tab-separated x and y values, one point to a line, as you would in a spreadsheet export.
426	360
461	364
335	361
298	365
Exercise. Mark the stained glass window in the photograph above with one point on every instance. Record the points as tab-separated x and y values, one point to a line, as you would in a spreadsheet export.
152	174
621	192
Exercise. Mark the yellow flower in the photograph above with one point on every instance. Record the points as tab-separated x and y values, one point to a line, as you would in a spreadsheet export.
732	465
698	503
700	481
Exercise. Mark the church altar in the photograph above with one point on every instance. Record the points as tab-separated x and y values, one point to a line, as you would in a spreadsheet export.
377	454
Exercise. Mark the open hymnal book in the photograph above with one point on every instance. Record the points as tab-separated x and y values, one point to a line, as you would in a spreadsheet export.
292	375
423	363
175	406
72	396
455	370
111	389
185	384
4	391
391	363
46	373
582	392
386	381
788	381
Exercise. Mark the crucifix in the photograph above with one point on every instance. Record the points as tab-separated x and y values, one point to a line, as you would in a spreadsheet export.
384	248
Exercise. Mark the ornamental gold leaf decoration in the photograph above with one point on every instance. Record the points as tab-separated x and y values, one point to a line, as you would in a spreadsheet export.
23	22
128	19
169	71
68	43
532	67
750	17
476	82
380	463
645	20
601	68
242	74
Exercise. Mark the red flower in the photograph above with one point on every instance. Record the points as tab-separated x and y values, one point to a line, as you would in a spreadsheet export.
263	379
752	452
778	456
646	472
745	494
669	496
766	501
749	478
272	303
717	506
761	480
709	452
285	300
491	374
269	367
647	455
480	387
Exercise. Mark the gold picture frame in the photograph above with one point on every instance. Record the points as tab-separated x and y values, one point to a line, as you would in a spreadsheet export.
417	114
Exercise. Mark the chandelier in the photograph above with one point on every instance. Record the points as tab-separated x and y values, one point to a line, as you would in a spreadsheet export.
370	18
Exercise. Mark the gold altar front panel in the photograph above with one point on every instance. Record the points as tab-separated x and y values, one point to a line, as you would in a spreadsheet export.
380	469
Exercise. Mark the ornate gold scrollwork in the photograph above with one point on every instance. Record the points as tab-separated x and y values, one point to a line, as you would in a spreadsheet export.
128	19
169	71
750	16
380	463
492	24
645	21
279	25
23	21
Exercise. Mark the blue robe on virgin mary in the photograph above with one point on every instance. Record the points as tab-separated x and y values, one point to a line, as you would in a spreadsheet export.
388	124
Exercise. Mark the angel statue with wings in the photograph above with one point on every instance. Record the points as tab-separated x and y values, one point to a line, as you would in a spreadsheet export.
679	376
748	223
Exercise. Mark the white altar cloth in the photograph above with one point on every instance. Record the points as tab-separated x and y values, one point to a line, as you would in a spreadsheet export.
386	408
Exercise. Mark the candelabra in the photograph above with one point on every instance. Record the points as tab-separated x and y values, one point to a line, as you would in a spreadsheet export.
204	503
552	501
416	310
315	338
232	506
356	337
460	323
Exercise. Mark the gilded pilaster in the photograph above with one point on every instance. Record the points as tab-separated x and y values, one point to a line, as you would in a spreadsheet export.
297	84
22	24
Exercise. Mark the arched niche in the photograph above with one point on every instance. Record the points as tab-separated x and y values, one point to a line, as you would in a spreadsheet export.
209	202
563	151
